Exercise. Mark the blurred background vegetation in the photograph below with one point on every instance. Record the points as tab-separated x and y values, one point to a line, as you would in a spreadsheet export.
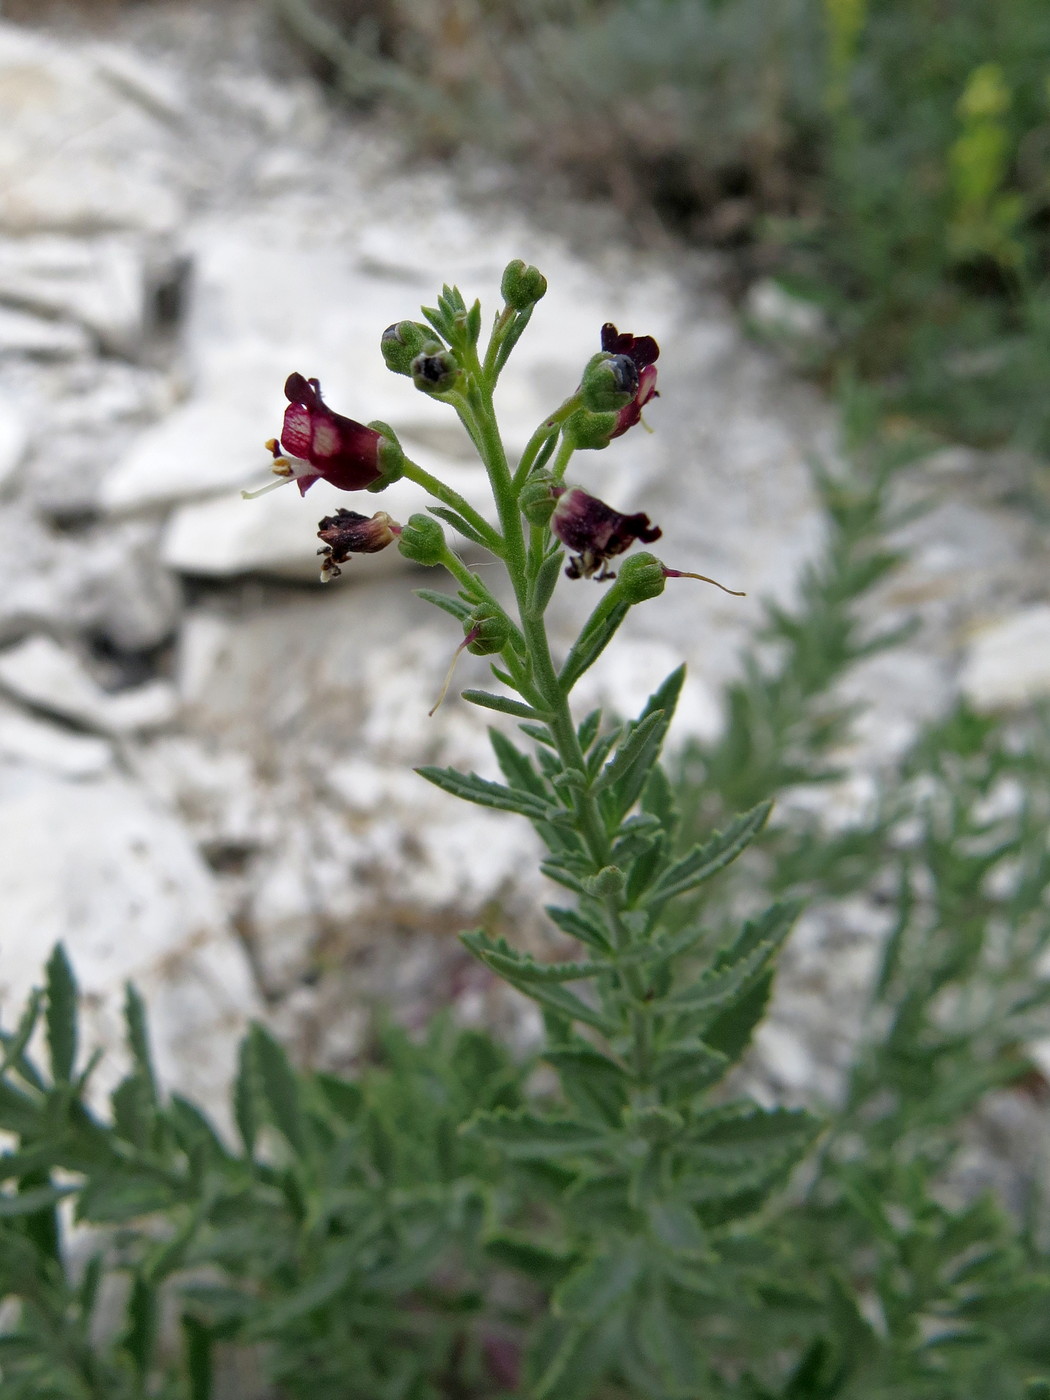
887	165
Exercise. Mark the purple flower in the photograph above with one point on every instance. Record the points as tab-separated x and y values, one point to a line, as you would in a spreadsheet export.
643	352
317	443
593	532
346	532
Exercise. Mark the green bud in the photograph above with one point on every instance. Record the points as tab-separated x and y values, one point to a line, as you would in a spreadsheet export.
422	540
609	881
609	382
538	498
434	370
522	286
488	630
585	430
390	456
641	577
402	342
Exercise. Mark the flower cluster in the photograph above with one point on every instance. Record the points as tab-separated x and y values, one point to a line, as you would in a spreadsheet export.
318	444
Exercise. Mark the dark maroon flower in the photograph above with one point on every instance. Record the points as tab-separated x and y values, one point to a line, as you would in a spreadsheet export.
643	352
346	532
594	532
318	444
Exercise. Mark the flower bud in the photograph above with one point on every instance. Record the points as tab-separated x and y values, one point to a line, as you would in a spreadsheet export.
609	382
538	498
488	630
422	540
390	459
585	430
642	577
522	286
435	371
402	342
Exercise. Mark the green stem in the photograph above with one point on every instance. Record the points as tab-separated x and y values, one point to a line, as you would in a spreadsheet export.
455	501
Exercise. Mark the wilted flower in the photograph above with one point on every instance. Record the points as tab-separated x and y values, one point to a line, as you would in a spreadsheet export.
594	532
346	532
317	444
643	352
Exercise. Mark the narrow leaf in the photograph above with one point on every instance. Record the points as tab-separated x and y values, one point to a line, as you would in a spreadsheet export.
541	590
280	1086
577	925
503	703
523	1135
61	1015
465	528
474	789
704	861
522	967
446	602
592	641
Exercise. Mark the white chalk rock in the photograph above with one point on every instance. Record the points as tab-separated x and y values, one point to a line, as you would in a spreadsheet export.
1008	662
97	866
47	675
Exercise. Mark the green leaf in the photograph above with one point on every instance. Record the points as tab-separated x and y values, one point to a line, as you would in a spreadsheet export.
629	785
578	925
503	703
731	1032
542	587
588	730
112	1200
716	991
740	1136
714	855
569	1358
138	1039
522	1135
599	1283
640	745
544	1266
688	1067
474	789
15	1043
465	528
61	1015
597	1085
597	633
280	1086
458	609
197	1347
29	1202
522	968
246	1096
140	1334
517	767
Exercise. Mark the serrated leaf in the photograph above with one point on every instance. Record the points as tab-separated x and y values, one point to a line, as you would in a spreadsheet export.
597	1085
640	744
517	767
577	925
629	785
522	967
14	1043
744	1137
523	1135
455	607
472	788
246	1096
714	855
687	1068
715	992
61	1015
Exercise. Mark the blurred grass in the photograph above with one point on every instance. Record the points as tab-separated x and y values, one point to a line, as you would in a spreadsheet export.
889	163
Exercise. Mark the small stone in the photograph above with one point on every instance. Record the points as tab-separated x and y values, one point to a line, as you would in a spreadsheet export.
21	333
1008	662
33	741
47	675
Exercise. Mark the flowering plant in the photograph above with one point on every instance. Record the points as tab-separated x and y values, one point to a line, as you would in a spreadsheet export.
651	1162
